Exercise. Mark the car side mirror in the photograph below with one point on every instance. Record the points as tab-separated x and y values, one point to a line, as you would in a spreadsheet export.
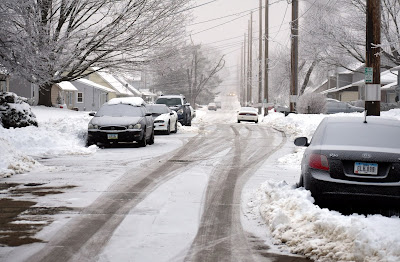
92	113
301	141
171	113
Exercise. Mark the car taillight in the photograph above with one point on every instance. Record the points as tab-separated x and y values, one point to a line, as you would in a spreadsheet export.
319	162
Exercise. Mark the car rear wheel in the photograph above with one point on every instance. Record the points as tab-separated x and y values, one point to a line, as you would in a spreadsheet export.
256	121
238	121
301	182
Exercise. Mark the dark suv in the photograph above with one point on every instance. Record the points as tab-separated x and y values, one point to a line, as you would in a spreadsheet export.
179	104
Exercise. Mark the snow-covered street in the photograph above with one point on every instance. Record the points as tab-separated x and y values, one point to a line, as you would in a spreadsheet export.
164	222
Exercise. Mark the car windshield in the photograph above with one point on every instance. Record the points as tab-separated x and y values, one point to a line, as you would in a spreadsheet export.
158	109
169	101
369	135
119	110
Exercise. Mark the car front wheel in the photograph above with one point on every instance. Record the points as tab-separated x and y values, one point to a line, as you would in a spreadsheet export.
151	140
143	141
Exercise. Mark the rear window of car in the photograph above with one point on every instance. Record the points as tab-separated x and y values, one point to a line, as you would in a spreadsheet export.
248	109
119	110
359	134
169	101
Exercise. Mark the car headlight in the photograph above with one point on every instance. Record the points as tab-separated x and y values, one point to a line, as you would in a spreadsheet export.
91	126
180	111
137	126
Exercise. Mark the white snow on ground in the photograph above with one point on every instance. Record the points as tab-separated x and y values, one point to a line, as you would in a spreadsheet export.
294	223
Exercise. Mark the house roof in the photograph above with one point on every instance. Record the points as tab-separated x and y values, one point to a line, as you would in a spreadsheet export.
67	86
147	93
129	86
389	86
93	84
387	77
114	83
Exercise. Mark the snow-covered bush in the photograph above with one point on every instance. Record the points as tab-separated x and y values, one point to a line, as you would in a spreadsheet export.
15	111
311	103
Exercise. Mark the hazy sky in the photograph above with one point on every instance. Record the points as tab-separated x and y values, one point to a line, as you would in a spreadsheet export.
229	36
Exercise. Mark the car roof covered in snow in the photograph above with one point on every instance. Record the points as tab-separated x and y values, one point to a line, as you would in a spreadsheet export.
134	101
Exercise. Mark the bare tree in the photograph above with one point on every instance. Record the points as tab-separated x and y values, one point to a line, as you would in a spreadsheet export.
190	70
49	41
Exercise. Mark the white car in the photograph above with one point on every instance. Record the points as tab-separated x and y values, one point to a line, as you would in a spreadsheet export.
247	114
165	119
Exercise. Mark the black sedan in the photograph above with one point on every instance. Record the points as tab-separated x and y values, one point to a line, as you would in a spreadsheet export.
121	120
352	159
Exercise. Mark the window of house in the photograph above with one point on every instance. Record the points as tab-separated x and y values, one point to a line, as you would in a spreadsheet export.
80	97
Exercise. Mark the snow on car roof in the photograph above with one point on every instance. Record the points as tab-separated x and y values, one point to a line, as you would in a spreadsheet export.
134	101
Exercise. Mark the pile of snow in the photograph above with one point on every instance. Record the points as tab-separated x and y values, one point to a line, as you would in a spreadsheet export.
60	132
299	226
15	111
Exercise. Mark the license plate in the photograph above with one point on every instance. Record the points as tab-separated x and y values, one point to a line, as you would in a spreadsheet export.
365	168
112	136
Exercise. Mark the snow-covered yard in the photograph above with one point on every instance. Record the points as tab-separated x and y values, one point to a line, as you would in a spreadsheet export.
291	221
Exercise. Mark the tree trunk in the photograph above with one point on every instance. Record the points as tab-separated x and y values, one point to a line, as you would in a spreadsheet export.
45	95
307	78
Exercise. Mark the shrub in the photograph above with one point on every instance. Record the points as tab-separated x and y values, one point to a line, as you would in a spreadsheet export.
15	111
311	103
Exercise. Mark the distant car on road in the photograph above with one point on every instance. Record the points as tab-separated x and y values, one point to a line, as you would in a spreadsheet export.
121	120
247	114
165	119
349	159
212	106
334	106
219	104
282	109
179	104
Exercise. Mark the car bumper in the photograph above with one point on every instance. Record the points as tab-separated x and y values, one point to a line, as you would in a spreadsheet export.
323	187
247	118
160	127
109	136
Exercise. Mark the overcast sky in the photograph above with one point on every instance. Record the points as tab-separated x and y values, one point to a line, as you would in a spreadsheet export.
229	36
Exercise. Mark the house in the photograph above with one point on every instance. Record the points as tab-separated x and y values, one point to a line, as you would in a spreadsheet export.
105	79
81	95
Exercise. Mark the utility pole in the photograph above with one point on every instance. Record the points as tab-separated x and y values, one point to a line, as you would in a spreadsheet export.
294	55
244	73
373	61
250	56
260	59
266	56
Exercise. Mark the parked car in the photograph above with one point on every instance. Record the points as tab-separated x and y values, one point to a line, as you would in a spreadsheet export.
179	104
247	114
165	119
282	109
121	120
334	106
218	104
352	159
212	106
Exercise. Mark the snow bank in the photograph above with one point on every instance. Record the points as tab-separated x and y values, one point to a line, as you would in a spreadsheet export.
299	226
60	132
320	234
